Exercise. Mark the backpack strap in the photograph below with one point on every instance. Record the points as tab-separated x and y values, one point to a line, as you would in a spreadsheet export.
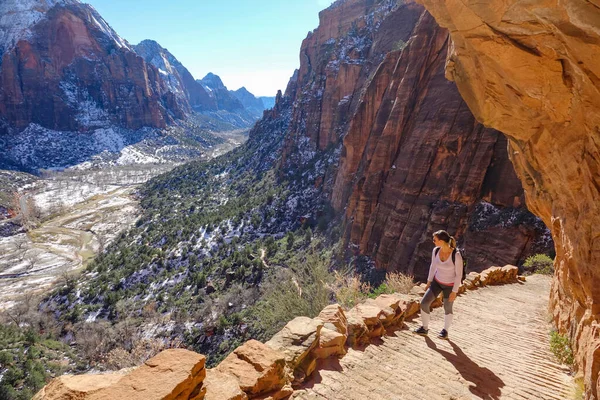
437	251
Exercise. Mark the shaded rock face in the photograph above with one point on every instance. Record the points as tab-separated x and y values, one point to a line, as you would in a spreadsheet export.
218	91
335	61
71	71
179	80
251	103
412	158
531	70
415	160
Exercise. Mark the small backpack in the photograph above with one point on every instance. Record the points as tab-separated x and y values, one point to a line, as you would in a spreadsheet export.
464	258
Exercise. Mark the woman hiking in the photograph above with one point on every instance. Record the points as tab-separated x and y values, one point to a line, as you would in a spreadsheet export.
445	273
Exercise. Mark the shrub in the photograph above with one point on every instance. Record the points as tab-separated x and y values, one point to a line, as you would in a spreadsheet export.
142	351
349	290
578	389
301	290
561	348
539	263
290	240
399	283
381	289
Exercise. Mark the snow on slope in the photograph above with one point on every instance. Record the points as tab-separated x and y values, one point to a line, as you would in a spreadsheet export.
18	16
107	30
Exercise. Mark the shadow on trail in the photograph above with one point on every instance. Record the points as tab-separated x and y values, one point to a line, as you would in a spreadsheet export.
487	384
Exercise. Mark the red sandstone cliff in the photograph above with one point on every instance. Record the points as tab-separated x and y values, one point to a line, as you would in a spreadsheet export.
413	158
532	71
71	71
415	161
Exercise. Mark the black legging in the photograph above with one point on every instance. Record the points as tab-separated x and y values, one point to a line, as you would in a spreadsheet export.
432	293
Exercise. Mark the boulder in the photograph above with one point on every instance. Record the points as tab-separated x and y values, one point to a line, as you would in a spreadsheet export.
490	276
296	341
418	290
372	316
334	318
410	305
257	367
331	343
171	375
77	387
221	386
284	393
472	280
358	333
396	303
510	273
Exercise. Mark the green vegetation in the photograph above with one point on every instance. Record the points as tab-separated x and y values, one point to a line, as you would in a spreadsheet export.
299	290
395	282
539	263
211	238
28	360
561	348
349	290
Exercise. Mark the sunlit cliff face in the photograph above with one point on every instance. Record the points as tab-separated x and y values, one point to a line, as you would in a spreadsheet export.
530	70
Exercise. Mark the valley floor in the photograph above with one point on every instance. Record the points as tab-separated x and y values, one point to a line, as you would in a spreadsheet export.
76	213
30	263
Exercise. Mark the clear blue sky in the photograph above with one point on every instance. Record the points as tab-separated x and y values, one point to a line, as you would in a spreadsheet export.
252	43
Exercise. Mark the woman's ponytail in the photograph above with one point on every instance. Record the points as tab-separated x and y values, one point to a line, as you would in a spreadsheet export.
452	242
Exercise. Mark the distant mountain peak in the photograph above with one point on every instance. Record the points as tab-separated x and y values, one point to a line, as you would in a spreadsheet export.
244	91
177	78
150	43
213	81
153	46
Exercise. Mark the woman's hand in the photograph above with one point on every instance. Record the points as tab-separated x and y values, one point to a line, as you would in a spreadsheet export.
427	286
452	296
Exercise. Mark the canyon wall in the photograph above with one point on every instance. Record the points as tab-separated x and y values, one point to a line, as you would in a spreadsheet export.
531	70
412	158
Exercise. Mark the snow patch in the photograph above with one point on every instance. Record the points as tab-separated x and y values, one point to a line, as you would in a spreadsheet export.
17	17
89	114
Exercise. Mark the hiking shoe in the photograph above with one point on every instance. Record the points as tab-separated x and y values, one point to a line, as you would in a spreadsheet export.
443	334
421	331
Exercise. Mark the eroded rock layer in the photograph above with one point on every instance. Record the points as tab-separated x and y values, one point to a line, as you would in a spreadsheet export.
530	69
